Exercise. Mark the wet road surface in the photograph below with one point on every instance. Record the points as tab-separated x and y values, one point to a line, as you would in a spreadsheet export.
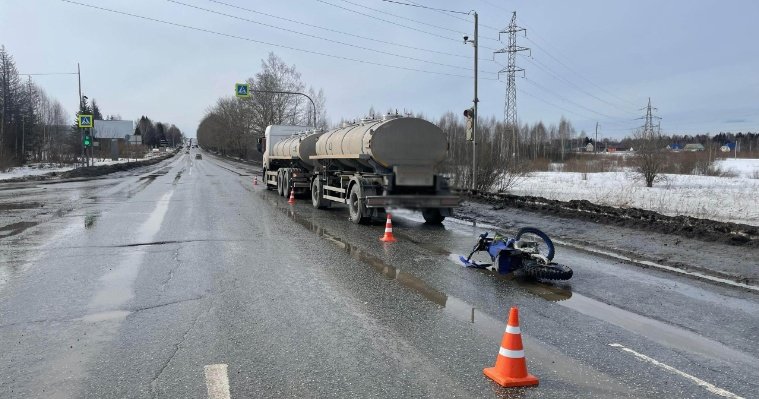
160	282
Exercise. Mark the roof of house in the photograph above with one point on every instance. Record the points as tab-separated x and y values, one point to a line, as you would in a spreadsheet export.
113	129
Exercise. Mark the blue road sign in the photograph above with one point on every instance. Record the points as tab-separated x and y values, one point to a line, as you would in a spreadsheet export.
86	121
242	90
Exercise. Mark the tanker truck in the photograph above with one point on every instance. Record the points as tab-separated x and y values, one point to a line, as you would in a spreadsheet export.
369	166
286	163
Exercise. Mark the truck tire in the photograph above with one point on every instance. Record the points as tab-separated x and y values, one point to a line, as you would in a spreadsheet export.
356	206
317	194
265	182
280	184
286	184
432	216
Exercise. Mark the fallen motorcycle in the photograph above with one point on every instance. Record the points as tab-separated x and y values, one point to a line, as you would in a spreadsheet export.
530	253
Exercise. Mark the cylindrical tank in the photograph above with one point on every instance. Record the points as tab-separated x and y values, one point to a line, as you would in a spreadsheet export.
299	147
393	141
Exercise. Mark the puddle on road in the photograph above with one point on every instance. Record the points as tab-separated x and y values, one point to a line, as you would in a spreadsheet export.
665	334
89	221
178	176
15	228
105	316
117	284
550	357
20	205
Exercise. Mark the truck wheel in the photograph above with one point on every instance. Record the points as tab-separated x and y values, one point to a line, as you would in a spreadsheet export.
317	195
432	216
264	181
356	206
286	184
280	184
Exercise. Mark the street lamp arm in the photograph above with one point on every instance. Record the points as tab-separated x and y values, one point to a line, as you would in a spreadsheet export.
313	104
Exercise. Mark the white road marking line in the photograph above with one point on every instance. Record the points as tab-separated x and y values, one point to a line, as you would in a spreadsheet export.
695	274
217	381
709	387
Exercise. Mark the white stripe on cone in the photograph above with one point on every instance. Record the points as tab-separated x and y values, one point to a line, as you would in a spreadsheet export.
511	353
513	330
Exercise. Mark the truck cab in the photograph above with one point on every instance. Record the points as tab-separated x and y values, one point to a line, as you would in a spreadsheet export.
273	135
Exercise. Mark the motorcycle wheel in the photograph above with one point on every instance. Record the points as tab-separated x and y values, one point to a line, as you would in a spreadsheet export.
545	245
551	271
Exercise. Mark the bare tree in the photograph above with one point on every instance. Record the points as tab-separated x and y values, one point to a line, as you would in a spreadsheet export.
650	158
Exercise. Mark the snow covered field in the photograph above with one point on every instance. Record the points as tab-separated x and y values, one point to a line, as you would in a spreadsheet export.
43	168
741	167
733	199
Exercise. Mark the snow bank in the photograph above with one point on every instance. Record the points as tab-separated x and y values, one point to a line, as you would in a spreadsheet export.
727	199
37	169
741	167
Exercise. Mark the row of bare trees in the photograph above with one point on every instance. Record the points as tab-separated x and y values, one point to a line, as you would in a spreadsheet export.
32	125
233	125
503	152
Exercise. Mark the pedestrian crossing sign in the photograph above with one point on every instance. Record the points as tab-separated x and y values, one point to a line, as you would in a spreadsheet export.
242	90
86	121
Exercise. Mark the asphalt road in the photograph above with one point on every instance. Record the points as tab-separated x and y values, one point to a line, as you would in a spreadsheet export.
131	285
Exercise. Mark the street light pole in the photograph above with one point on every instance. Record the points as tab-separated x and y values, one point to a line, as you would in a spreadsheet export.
313	104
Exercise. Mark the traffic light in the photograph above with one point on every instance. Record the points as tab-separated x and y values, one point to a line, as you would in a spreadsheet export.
469	114
87	140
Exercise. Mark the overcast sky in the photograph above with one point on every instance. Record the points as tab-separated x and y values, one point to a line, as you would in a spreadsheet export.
591	61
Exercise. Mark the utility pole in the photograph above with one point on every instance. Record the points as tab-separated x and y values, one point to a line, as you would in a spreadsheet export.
475	44
510	107
595	142
81	132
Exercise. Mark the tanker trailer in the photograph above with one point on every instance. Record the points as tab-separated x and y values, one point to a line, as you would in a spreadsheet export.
376	164
286	163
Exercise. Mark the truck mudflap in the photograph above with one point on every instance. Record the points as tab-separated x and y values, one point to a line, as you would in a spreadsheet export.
412	201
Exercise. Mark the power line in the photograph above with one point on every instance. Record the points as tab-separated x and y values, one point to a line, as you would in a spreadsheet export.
48	73
401	17
315	36
262	42
338	31
422	6
571	69
528	94
388	21
578	87
442	11
457	17
543	88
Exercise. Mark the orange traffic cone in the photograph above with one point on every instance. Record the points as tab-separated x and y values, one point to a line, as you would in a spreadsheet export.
388	237
255	180
292	197
510	368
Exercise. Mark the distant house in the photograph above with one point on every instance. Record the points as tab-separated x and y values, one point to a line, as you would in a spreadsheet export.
675	147
110	134
694	147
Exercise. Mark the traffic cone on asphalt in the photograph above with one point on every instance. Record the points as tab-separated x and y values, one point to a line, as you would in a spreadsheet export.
255	180
388	237
291	201
510	368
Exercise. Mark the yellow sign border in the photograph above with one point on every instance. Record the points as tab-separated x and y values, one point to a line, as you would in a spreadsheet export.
237	92
90	125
